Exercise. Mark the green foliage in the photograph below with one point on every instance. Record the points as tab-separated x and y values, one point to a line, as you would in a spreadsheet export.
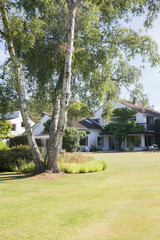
80	163
138	92
43	152
123	114
78	110
47	126
71	139
14	158
5	128
27	168
8	94
3	145
91	166
103	48
18	140
124	126
37	106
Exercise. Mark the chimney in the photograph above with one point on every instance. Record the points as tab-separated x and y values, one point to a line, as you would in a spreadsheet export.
135	101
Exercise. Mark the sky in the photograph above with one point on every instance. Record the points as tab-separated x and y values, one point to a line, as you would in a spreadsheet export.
150	76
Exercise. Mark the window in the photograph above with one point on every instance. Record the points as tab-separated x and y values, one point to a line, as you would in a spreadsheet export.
114	119
13	127
22	124
132	118
150	119
84	142
133	141
100	141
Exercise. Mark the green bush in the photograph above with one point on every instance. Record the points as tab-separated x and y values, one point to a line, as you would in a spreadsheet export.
14	158
71	139
43	152
18	140
3	145
27	168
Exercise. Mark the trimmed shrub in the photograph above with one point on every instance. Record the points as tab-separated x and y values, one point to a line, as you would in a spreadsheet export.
18	140
13	159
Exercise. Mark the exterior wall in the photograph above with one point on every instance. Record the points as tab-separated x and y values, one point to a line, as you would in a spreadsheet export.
92	137
140	117
98	114
92	140
39	127
106	143
136	148
18	121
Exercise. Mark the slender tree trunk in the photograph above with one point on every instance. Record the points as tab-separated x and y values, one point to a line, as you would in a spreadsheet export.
39	164
53	128
65	95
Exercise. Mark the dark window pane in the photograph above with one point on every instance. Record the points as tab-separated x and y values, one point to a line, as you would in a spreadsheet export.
100	141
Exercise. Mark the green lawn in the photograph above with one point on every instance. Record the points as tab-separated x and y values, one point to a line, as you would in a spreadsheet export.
120	203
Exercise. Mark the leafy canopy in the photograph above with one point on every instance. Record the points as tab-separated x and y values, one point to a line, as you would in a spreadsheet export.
124	124
103	48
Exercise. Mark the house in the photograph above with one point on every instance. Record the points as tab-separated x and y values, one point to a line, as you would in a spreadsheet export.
100	139
17	123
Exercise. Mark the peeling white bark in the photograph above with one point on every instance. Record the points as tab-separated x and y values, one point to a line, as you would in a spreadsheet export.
40	166
56	138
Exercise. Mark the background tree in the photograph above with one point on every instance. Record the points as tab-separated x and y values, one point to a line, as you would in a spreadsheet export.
124	124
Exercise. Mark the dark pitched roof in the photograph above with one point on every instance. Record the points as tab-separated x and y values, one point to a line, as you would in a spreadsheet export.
140	108
14	114
86	124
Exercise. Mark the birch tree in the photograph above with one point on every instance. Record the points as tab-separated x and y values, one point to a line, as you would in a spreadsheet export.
7	36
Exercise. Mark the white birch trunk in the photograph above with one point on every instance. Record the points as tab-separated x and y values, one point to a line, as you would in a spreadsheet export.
66	91
40	166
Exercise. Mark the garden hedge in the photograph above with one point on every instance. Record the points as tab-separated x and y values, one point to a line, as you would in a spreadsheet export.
13	158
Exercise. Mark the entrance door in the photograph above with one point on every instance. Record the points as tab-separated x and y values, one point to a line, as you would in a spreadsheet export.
113	144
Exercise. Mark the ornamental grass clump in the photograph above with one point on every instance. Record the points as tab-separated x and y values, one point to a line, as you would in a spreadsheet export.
74	158
80	163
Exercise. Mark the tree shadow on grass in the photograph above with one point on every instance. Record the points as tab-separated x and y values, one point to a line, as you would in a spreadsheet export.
14	176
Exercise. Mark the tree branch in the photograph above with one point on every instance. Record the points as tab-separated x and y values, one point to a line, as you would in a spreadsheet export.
2	33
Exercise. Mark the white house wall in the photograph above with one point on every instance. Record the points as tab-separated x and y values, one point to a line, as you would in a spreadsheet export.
39	127
98	115
18	121
92	137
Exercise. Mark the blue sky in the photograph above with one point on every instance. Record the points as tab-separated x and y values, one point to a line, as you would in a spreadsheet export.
150	76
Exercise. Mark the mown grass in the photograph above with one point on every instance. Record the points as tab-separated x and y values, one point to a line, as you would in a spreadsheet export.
120	203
